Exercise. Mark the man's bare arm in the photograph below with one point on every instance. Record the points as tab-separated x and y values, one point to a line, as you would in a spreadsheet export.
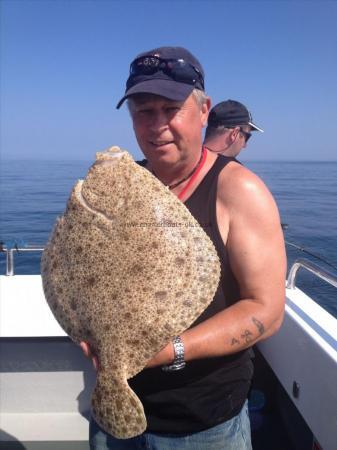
250	226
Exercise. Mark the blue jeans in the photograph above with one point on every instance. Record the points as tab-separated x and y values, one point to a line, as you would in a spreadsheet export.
234	434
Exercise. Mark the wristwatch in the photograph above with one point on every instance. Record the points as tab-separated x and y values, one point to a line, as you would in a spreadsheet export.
179	356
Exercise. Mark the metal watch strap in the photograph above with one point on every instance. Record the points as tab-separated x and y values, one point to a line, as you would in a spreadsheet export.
179	356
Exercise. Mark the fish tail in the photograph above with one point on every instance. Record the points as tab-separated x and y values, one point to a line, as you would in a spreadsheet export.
117	409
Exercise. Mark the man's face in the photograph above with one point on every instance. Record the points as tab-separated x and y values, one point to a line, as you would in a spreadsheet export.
168	131
245	134
236	140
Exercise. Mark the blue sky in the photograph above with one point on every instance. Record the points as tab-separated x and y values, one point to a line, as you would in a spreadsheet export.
65	63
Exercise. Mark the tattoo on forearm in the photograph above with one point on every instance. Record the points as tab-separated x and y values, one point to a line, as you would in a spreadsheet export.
247	336
259	325
235	342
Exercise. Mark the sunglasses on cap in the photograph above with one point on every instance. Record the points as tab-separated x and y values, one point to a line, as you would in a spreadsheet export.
177	69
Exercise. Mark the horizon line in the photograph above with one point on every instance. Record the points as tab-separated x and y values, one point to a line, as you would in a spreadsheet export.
244	160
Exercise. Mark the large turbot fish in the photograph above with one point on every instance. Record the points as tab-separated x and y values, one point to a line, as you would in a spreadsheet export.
126	269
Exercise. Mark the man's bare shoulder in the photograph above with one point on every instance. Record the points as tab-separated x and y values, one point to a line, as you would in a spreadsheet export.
239	186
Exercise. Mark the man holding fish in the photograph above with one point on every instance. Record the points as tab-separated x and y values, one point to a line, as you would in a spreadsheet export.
194	391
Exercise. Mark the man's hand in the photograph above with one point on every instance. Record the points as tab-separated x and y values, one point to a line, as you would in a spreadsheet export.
89	354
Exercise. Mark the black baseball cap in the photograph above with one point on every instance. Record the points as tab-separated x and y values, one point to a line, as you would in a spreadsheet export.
171	72
231	114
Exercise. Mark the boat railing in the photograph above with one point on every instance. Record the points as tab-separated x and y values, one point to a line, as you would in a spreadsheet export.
291	280
10	252
312	268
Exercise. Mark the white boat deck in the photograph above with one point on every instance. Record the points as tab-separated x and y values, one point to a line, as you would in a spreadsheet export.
46	380
304	351
24	311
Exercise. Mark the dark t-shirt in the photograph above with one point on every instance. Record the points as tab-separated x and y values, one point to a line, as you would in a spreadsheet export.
207	391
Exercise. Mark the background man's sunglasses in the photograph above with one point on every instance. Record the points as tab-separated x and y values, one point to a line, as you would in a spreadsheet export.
245	134
177	69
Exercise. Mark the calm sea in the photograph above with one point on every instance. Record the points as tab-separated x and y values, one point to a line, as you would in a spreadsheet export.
34	193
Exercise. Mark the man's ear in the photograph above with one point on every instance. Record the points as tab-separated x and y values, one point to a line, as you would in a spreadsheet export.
205	109
234	134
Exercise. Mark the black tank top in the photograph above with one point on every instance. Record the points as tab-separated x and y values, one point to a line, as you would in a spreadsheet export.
207	391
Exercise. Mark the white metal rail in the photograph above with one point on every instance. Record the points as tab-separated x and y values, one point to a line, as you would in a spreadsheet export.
291	280
10	252
311	267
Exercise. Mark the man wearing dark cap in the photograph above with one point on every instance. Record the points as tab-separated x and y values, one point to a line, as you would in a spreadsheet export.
194	391
229	128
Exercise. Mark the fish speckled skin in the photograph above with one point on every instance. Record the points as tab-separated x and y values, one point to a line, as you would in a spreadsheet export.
126	269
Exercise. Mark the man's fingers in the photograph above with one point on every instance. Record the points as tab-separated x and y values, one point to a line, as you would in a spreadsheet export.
95	362
88	353
85	347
